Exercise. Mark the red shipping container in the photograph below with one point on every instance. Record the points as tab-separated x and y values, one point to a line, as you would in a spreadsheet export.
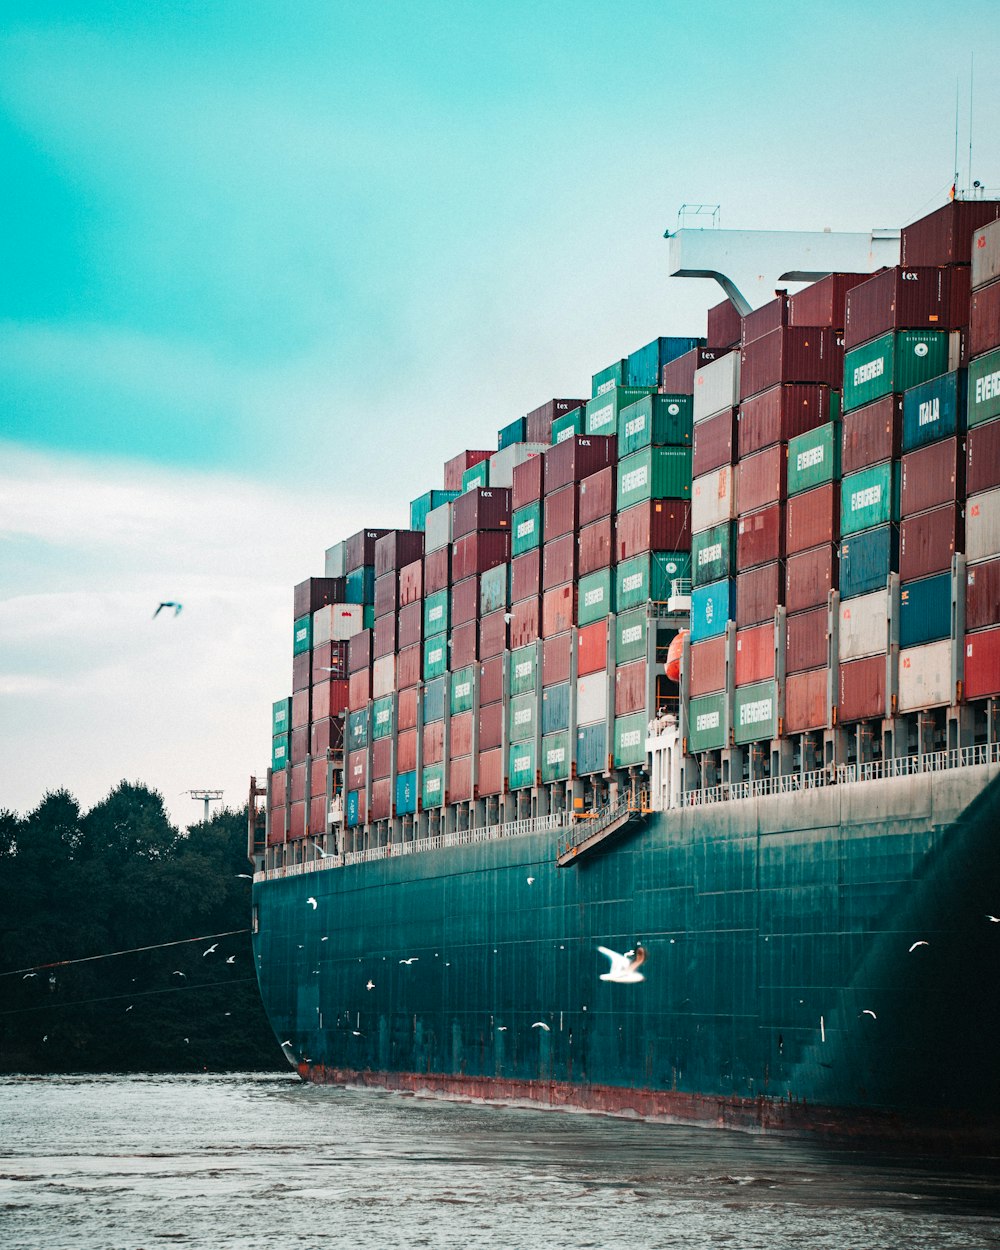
558	610
724	325
301	671
298	785
982	664
359	651
317	778
982	595
276	825
806	701
300	744
872	434
708	666
409	663
754	654
465	601
862	690
984	320
538	424
558	561
944	237
526	622
329	661
810	576
714	442
907	298
279	787
329	698
406	709
677	377
770	316
763	477
397	548
491	774
360	549
928	541
325	735
561	511
760	536
557	654
460	780
791	354
315	593
480	509
527	480
300	708
493	633
360	689
411	583
381	757
433	743
932	476
491	680
490	726
456	466
758	592
805	640
381	799
406	751
386	594
526	576
411	624
824	303
812	519
592	649
464	645
460	734
576	458
597	496
982	457
595	547
297	820
630	688
437	571
384	637
658	525
780	413
479	552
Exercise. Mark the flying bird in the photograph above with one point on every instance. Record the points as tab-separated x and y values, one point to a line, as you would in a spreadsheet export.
324	854
531	881
246	876
501	1028
127	1010
540	1024
868	1012
231	959
993	919
213	947
412	960
624	968
28	975
177	973
915	945
507	618
168	604
370	985
312	902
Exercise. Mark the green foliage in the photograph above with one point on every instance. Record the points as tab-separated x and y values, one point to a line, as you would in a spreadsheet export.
117	878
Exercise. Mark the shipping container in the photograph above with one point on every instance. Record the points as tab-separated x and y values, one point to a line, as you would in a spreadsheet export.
490	726
677	378
360	585
708	666
556	757
867	559
925	677
770	316
784	411
805	640
491	679
869	498
791	354
555	708
395	549
300	707
280	745
432	786
561	512
557	656
713	554
872	434
655	525
460	735
755	654
982	664
932	476
526	621
382	718
824	303
716	386
526	529
355	808
984	389
813	458
985	255
464	601
329	698
326	735
644	367
763	478
597	496
591	651
357	729
302	635
596	597
526	576
438	528
436	617
602	411
281	716
629	745
538	422
568	426
406	709
713	498
760	536
527	482
711	607
299	745
465	644
595	547
435	656
755	712
491	774
504	463
359	688
521	765
493	590
925	610
329	661
649	577
409	667
982	457
279	788
411	583
523	663
461	698
558	561
384	640
724	325
982	595
945	236
316	592
655	473
437	570
479	552
982	526
456	466
862	690
706	723
892	363
927	542
381	758
381	799
609	377
297	784
406	793
657	421
810	576
910	298
758	592
481	510
864	626
630	688
933	410
420	507
432	742
406	750
577	458
514	432
360	550
335	561
714	442
592	697
630	642
806	701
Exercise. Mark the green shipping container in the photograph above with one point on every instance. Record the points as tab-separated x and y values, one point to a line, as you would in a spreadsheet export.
359	585
630	636
523	717
302	636
426	503
706	723
357	729
594	597
382	718
603	409
436	614
893	362
869	497
612	375
461	690
630	740
657	421
813	458
281	717
280	751
656	473
368	616
526	528
432	790
521	675
435	656
713	555
478	475
568	425
755	712
556	758
984	388
522	765
649	576
493	590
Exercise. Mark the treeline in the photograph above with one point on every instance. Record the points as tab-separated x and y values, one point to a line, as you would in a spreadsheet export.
117	878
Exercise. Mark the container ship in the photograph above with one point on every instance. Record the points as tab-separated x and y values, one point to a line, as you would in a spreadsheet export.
701	669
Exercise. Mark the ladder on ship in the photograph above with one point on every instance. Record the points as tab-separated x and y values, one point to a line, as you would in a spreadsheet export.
596	828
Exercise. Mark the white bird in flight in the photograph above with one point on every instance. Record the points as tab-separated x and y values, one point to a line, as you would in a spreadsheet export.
245	875
177	973
624	968
168	604
412	960
915	945
231	959
531	881
370	985
312	902
213	947
868	1012
540	1024
28	975
993	919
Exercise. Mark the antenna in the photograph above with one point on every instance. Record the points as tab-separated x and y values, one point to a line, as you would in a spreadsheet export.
206	796
972	68
954	183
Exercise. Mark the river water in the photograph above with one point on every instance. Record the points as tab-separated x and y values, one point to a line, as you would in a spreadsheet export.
133	1163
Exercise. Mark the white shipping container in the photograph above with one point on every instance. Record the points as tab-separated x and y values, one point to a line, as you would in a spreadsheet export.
717	386
925	676
503	463
437	529
982	525
713	498
591	698
336	622
336	560
383	676
864	626
986	255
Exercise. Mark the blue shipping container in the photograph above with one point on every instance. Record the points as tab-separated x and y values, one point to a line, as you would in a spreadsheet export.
360	585
645	365
591	748
435	697
513	433
406	793
867	559
934	410
555	708
925	610
353	808
711	607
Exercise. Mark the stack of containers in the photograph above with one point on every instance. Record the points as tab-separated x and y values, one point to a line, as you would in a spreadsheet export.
889	350
539	422
409	667
587	740
527	525
358	735
438	532
982	601
456	468
281	719
427	502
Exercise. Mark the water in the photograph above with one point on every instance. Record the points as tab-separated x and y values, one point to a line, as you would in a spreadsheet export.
133	1163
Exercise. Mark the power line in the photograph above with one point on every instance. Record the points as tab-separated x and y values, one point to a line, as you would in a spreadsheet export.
132	950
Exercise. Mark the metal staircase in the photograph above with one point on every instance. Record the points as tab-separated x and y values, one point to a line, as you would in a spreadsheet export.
604	824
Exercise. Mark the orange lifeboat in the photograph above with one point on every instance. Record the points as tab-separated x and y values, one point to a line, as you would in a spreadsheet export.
674	656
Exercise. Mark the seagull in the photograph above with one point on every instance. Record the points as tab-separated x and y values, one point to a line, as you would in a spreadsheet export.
231	959
286	1043
370	985
507	618
176	973
244	875
176	607
324	854
324	939
188	1040
531	881
993	919
501	1028
312	902
915	945
227	1013
213	947
28	975
540	1024
623	967
127	1010
412	960
868	1012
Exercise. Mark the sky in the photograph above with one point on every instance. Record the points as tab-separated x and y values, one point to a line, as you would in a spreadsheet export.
265	267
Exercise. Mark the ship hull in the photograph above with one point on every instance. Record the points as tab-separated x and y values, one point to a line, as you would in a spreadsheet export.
780	993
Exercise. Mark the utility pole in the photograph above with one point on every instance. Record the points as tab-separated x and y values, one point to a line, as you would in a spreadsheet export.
207	796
